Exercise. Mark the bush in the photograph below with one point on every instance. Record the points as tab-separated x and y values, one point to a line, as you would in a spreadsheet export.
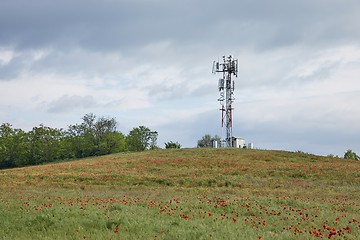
172	145
349	154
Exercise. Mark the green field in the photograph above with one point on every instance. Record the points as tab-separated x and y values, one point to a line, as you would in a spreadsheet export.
184	194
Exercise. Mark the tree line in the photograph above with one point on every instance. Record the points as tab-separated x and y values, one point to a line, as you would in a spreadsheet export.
93	137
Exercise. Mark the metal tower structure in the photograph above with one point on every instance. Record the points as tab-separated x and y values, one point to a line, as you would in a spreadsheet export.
226	85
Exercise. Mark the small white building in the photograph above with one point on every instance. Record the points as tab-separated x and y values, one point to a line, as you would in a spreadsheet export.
215	143
238	142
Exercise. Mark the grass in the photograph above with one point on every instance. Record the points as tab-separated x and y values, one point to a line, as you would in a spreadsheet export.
184	194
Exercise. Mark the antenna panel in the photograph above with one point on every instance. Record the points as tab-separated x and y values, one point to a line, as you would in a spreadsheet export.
221	84
213	68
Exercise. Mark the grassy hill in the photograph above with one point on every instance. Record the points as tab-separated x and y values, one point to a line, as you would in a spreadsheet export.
184	194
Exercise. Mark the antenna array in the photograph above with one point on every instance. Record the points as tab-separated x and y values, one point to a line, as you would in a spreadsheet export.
226	86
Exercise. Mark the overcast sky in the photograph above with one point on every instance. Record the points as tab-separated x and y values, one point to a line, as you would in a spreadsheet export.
148	62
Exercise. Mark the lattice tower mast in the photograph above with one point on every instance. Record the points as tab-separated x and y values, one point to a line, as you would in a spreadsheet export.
226	88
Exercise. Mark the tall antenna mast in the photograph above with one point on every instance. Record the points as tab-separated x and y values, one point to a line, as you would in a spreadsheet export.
226	87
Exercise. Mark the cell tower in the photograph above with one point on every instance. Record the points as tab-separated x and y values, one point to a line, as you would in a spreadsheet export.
226	87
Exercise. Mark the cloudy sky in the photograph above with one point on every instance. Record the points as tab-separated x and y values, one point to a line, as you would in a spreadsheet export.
148	62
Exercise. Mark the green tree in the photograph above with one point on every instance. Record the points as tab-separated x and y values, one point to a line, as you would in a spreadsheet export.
116	142
44	144
207	141
172	144
89	139
141	138
349	154
95	137
105	136
75	143
111	142
153	140
13	147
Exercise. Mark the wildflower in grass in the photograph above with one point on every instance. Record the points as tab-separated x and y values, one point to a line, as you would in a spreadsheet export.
331	234
234	220
116	229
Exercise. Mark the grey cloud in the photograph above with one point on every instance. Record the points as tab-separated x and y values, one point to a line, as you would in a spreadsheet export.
168	91
323	72
15	66
68	103
11	70
75	31
175	91
110	25
89	24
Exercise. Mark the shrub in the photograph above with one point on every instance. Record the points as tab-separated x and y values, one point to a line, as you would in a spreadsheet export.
172	145
349	154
